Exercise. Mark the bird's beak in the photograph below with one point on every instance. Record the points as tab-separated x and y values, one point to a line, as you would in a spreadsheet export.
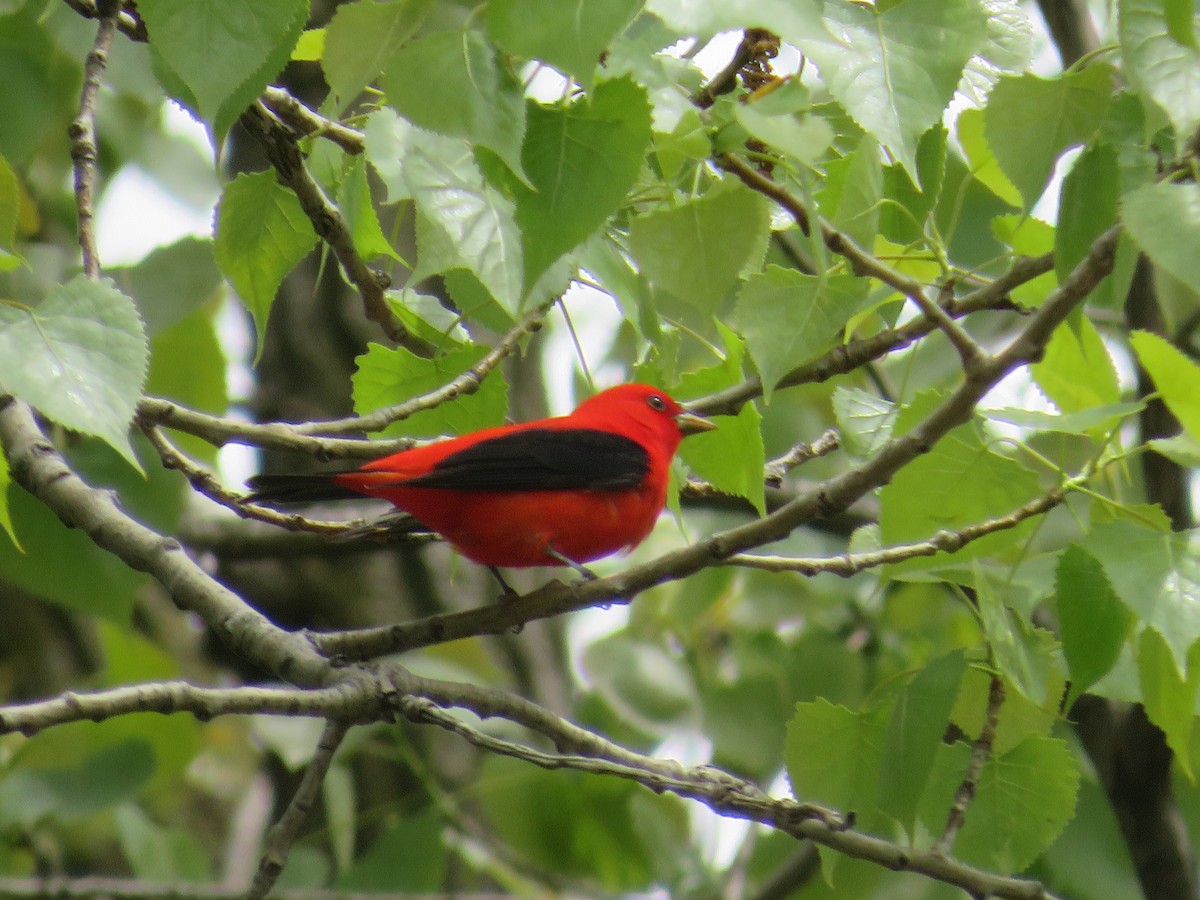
690	423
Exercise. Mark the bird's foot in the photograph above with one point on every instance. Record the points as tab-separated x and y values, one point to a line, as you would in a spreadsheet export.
584	571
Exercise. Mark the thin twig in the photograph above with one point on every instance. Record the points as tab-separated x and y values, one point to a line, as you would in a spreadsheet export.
943	542
306	437
861	262
128	22
83	136
97	888
726	80
281	838
981	751
801	453
462	385
219	431
206	483
849	356
280	144
308	123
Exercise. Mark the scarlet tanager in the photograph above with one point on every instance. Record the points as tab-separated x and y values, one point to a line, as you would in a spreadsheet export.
559	491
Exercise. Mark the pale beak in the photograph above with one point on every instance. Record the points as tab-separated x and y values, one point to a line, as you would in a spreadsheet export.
690	423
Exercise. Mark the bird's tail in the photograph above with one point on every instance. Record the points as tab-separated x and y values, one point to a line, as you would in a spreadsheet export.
310	487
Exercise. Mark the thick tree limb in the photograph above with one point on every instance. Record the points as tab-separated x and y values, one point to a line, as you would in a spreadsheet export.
38	467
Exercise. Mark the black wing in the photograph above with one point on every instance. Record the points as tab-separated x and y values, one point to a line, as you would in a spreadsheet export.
542	459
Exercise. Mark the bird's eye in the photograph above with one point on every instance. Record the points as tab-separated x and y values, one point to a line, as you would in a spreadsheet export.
655	401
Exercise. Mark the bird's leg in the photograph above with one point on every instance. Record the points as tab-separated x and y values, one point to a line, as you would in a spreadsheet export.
509	593
588	574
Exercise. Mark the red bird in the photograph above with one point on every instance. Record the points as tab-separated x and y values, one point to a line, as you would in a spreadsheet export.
560	491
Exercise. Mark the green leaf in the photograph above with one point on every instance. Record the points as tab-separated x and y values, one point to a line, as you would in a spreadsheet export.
894	71
864	420
426	317
1161	67
5	517
803	138
1031	237
1164	220
1181	21
1087	206
310	46
10	206
200	384
1025	796
648	686
581	825
833	755
570	36
744	715
40	81
927	496
1007	50
95	583
473	96
159	854
355	202
361	38
697	250
985	168
903	220
1076	372
1030	121
261	234
669	82
1182	449
732	456
462	221
105	778
1176	378
215	57
789	318
1167	694
853	206
338	794
1156	575
580	159
1096	417
1024	653
80	357
409	856
386	377
388	139
920	714
172	282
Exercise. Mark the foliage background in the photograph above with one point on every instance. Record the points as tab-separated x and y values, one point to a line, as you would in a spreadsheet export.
968	662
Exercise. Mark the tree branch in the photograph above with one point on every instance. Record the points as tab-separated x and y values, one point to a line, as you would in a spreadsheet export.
943	542
83	135
372	694
861	262
307	123
281	838
327	221
38	467
981	750
855	353
128	22
307	437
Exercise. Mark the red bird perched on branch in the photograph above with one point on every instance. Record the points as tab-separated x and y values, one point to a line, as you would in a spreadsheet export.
560	491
